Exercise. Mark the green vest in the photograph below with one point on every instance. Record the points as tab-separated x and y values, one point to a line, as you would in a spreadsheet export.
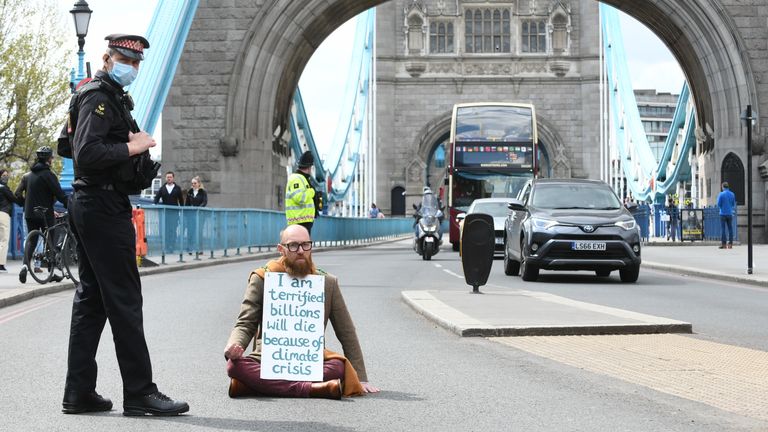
299	200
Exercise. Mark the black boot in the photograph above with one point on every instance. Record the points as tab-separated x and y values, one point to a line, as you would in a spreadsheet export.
76	402
155	404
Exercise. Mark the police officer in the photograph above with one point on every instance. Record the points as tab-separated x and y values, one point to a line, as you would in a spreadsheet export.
302	203
39	188
110	288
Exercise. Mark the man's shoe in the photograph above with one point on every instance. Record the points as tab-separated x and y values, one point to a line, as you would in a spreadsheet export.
23	275
238	389
722	246
76	402
38	270
328	390
3	269
57	278
154	404
730	245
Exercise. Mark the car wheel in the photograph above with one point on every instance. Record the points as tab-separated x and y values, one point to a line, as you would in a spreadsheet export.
511	267
630	273
603	273
529	272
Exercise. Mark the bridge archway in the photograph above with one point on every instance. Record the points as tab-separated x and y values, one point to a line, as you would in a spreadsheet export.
284	35
245	78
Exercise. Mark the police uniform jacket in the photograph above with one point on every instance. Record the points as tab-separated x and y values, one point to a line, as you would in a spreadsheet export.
101	135
248	325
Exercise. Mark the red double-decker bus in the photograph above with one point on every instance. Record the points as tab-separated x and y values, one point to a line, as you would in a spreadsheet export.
492	154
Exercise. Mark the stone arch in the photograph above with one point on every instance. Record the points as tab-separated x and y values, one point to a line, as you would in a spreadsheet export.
704	40
732	171
552	142
282	36
707	43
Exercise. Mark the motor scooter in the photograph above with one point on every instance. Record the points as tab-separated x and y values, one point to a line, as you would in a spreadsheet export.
427	230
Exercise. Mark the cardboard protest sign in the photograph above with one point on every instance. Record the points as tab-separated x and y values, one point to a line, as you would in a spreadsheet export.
293	332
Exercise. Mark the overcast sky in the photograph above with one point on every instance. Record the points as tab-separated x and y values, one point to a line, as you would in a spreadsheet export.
322	85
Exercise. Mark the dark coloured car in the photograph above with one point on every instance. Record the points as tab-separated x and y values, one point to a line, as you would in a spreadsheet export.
570	224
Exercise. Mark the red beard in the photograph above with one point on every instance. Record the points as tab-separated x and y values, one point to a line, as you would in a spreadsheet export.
299	268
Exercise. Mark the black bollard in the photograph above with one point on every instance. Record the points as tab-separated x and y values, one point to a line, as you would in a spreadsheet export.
477	244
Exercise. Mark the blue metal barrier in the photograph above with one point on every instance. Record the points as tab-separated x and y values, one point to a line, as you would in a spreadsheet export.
712	228
17	234
173	230
642	218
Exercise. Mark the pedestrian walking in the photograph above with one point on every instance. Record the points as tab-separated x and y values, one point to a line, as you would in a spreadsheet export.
301	199
105	139
196	197
674	220
374	212
295	248
170	194
7	200
39	188
726	202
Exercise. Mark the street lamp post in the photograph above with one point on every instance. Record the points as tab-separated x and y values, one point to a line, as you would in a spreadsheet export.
81	14
747	117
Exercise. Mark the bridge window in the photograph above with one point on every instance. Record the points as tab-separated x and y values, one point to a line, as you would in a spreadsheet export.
732	171
487	31
440	37
415	38
559	34
534	36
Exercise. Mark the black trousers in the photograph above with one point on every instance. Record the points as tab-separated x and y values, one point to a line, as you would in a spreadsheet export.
110	289
307	225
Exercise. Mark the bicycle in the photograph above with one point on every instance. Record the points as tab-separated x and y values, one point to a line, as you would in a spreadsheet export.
59	250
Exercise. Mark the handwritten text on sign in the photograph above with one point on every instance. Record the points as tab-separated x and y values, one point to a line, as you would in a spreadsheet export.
293	333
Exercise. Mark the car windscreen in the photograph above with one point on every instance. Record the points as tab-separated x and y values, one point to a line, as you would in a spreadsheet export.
495	209
574	196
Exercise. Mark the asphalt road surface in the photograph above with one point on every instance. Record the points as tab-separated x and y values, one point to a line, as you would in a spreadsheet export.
431	380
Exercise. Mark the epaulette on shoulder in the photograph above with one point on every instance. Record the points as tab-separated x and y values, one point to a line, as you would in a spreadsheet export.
89	87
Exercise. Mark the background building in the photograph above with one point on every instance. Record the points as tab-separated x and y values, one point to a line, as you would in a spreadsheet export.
431	54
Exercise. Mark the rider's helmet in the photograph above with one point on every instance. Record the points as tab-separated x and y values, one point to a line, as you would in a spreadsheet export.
426	190
44	153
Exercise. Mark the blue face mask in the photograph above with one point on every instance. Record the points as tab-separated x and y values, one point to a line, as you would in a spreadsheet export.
122	73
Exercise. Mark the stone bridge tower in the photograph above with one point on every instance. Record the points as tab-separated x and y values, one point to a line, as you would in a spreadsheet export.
226	115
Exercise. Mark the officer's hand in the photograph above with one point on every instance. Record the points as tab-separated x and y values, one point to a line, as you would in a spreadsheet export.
139	143
233	351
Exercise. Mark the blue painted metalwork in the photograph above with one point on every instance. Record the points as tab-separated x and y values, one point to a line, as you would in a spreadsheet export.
167	33
341	166
205	229
647	178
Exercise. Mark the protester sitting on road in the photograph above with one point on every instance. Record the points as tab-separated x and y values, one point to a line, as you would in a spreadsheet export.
296	249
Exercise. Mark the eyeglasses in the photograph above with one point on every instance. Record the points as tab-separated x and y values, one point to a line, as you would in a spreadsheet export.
294	247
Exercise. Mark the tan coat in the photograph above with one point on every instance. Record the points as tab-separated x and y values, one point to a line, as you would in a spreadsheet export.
248	325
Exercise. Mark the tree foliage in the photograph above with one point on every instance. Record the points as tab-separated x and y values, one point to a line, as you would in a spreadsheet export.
34	86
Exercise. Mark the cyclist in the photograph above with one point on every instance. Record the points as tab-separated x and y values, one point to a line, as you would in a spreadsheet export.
39	188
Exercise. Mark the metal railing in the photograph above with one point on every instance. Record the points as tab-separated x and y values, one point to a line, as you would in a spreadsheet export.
173	230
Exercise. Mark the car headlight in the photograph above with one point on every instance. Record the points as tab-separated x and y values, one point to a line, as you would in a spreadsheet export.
543	224
629	224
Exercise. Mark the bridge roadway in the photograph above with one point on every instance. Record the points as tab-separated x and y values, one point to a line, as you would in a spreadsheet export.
432	379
